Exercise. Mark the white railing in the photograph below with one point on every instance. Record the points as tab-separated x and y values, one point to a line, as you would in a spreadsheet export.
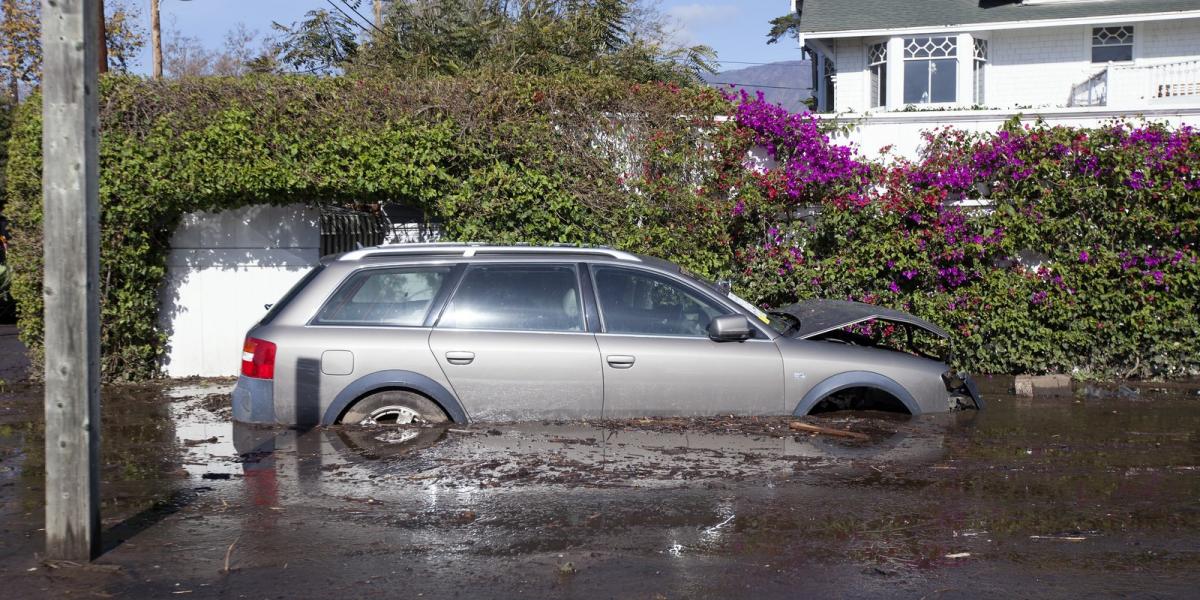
1125	85
1093	92
1174	80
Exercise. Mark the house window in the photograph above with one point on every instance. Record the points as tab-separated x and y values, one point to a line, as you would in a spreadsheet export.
877	64
830	77
1112	44
979	62
930	70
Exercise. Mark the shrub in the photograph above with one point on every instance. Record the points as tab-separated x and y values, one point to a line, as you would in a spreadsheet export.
1084	259
498	158
1087	262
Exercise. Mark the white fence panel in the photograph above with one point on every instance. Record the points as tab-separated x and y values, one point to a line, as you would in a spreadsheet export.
223	269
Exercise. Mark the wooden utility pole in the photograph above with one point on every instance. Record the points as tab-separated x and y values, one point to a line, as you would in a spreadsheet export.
156	39
70	233
379	14
101	39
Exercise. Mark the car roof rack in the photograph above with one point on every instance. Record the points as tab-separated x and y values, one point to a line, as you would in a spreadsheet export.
471	249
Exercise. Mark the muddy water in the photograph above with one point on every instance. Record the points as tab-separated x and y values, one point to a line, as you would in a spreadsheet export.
1096	494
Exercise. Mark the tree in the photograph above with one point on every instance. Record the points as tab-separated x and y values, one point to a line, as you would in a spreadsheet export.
239	53
785	26
156	40
624	37
124	34
323	42
101	39
20	44
186	56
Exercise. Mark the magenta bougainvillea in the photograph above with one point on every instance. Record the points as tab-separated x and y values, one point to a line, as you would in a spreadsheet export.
1045	248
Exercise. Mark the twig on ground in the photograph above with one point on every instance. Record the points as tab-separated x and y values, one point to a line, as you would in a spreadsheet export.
229	553
798	426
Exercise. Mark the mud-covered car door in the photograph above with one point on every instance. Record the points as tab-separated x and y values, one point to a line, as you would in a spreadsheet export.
513	343
658	359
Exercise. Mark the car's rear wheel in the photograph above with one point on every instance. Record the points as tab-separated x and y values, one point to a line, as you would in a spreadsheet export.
394	407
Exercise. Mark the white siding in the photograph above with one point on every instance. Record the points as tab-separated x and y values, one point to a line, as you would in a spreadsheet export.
223	268
1166	41
1034	67
850	92
1037	67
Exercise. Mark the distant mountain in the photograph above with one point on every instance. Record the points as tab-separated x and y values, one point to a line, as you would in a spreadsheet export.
787	82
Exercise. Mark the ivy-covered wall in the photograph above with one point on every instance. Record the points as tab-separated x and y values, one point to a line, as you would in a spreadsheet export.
1083	259
497	158
6	116
7	307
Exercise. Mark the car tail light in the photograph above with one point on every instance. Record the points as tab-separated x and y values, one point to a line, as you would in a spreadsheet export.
258	359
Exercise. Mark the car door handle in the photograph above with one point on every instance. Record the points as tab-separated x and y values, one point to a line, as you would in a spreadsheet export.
620	361
460	357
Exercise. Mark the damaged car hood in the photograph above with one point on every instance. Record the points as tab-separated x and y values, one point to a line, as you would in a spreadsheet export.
822	316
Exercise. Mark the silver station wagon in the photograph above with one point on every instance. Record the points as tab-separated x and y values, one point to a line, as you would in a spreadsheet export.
461	332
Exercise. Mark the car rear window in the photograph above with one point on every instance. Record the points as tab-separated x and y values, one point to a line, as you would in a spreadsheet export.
397	296
274	310
516	298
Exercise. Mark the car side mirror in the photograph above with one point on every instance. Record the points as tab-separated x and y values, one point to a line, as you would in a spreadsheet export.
730	328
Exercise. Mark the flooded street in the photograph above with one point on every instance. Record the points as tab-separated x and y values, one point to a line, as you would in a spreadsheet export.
1093	494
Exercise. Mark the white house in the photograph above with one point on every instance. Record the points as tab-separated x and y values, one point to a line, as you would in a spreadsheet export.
976	63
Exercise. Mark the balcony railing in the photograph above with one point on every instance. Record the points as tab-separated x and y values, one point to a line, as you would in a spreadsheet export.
1175	80
1120	85
1093	92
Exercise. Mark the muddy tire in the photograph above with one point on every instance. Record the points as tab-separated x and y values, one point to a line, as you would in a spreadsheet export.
395	407
374	443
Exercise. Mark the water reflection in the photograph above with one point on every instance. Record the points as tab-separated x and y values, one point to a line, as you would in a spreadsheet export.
1035	481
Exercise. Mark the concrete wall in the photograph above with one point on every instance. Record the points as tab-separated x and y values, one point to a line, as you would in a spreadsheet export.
902	131
223	268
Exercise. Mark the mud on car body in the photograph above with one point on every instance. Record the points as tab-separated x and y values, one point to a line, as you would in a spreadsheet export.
459	332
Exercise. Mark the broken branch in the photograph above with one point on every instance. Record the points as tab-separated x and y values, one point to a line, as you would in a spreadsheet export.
798	426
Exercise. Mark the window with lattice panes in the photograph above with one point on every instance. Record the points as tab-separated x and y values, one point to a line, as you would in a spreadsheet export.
1112	44
829	82
930	70
877	65
979	63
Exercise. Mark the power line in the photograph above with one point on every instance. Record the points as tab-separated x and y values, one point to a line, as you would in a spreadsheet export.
348	17
755	85
364	18
746	62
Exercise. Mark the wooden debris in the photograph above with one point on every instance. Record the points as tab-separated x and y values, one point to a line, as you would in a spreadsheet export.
229	553
805	427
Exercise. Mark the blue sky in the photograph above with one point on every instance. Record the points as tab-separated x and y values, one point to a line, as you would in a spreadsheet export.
737	30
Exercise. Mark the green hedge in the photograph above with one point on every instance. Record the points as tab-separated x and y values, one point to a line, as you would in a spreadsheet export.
6	116
7	307
649	168
498	158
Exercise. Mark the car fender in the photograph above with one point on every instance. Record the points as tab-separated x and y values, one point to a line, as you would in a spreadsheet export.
390	380
851	379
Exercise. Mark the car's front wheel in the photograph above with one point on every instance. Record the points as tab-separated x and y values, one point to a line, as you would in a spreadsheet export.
394	407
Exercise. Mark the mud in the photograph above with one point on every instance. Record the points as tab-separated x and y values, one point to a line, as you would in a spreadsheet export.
1092	495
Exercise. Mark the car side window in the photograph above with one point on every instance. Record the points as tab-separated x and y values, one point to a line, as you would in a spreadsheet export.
641	303
400	296
517	298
